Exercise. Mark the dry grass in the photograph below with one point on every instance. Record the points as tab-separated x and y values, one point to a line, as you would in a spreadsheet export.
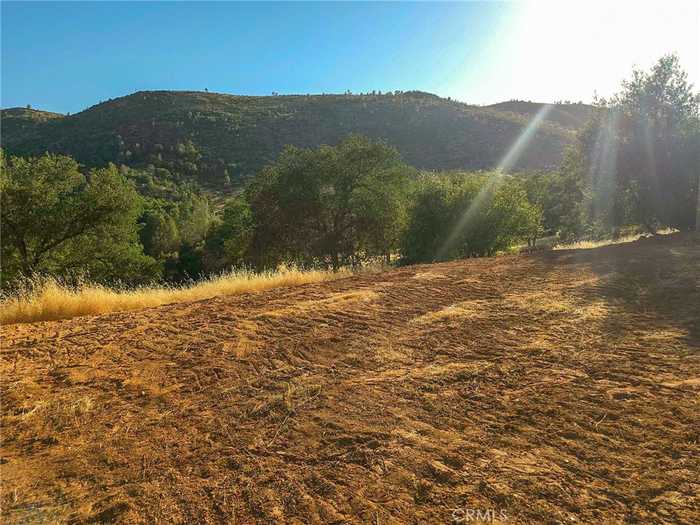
588	245
57	414
51	300
473	309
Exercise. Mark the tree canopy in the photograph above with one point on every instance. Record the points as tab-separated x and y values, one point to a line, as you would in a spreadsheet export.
460	215
56	219
635	164
330	205
637	160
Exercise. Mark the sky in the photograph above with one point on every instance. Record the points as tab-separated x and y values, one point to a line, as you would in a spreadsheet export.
65	57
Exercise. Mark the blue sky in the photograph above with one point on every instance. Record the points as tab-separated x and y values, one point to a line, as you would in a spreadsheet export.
67	56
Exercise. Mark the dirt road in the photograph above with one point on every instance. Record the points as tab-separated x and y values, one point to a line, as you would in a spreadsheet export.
561	387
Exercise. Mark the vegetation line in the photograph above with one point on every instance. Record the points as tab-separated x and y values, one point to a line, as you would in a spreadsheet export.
631	170
49	299
586	244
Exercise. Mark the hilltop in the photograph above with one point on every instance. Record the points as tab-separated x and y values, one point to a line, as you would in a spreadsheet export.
21	123
216	138
28	114
555	388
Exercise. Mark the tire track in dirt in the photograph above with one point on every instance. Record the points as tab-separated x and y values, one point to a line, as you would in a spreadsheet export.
557	387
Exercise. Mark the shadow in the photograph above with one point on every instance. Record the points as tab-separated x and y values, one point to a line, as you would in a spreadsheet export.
654	282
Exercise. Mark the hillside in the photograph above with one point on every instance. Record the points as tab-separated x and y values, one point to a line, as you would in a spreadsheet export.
556	388
20	123
569	115
210	137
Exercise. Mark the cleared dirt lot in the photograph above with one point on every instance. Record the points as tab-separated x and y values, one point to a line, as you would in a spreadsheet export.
562	387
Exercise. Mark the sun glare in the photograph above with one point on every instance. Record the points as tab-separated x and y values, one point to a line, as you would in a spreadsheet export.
509	159
603	41
572	50
603	173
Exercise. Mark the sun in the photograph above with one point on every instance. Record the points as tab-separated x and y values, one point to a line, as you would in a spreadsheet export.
569	50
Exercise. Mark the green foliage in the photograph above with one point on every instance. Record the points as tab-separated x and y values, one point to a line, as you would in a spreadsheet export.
159	234
193	216
324	207
175	221
329	206
570	194
543	191
216	140
431	216
56	219
634	163
462	215
380	204
559	196
229	240
189	264
566	114
637	161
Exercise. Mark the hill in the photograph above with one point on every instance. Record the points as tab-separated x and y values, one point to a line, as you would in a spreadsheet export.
556	388
21	123
214	137
569	115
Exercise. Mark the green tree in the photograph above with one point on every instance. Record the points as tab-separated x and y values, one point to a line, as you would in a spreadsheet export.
193	217
466	215
637	162
228	241
159	233
381	204
56	220
329	206
430	217
554	194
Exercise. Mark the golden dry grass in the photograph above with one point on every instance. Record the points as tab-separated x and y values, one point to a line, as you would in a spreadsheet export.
463	310
50	300
56	414
589	245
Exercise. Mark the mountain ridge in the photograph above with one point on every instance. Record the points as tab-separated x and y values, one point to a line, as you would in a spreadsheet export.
220	139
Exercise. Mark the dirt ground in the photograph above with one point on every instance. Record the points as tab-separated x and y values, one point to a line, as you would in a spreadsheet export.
561	387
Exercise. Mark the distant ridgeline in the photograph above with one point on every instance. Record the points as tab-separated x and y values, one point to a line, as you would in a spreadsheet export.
218	140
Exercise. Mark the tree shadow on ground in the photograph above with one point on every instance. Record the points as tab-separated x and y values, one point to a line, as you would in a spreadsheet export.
655	281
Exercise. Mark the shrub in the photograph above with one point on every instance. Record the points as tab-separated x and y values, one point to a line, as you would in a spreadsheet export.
459	215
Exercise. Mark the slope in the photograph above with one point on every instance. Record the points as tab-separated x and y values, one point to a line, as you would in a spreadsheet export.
213	137
569	115
554	388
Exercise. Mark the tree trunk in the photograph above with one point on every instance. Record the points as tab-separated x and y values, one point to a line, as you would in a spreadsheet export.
24	258
335	261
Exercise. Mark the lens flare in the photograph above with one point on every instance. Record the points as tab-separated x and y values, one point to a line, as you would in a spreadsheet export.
523	140
658	202
603	168
494	180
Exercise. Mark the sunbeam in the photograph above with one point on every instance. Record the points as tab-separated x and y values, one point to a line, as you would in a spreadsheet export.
523	140
658	202
509	159
603	171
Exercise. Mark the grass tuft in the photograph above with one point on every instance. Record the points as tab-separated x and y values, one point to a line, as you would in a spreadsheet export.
48	299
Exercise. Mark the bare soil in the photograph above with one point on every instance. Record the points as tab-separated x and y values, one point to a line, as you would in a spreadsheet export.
561	387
